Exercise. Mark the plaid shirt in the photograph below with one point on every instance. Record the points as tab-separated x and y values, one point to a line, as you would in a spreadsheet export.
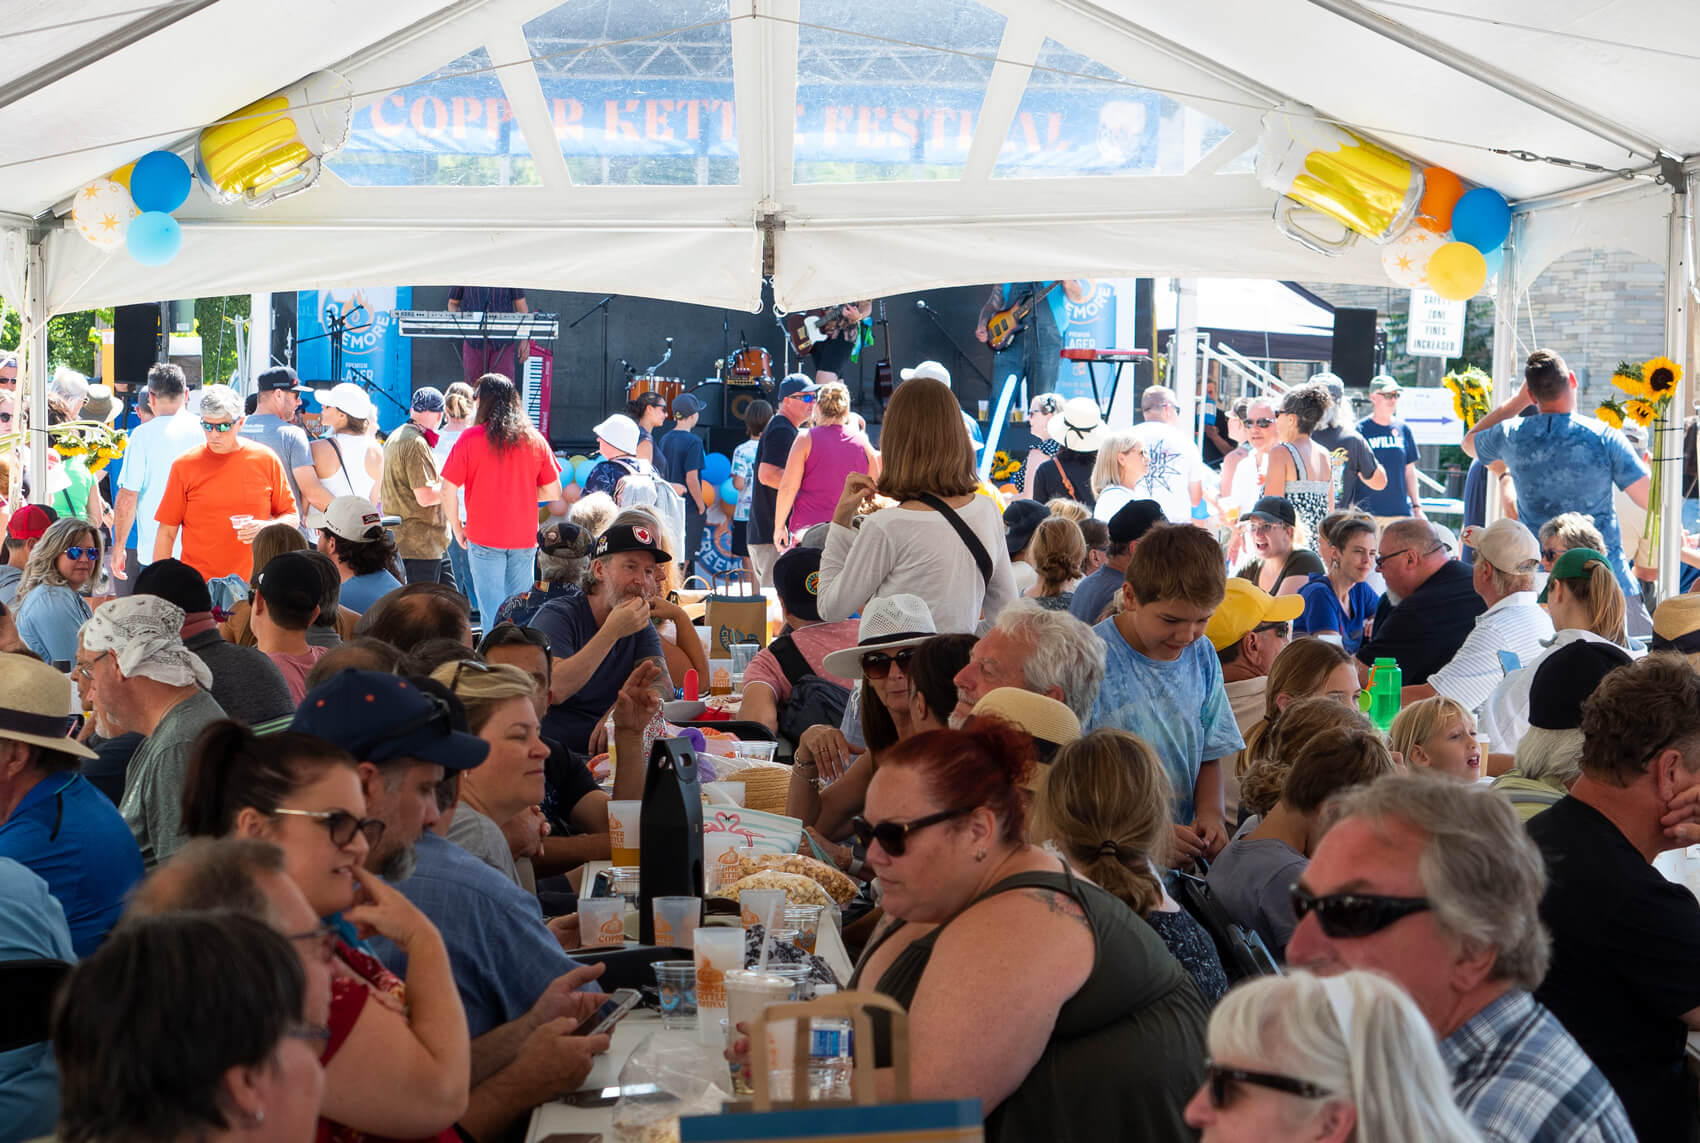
1521	1078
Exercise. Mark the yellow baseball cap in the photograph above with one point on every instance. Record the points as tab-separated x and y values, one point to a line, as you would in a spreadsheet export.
1244	608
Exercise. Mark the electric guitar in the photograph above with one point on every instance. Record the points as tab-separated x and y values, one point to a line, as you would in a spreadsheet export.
1002	327
808	328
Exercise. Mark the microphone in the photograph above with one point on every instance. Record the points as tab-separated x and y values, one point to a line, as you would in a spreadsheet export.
920	303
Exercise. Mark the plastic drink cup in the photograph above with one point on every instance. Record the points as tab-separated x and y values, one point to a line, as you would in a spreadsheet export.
742	653
720	858
748	993
601	921
240	522
756	751
760	906
805	921
623	831
720	676
676	920
676	986
718	950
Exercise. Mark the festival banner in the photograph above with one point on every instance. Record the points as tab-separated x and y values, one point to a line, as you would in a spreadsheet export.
374	354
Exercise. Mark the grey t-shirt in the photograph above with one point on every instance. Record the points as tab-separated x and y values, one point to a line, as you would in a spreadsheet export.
246	683
483	838
1253	878
290	444
153	788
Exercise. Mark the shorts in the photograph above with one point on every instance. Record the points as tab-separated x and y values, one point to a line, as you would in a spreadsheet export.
831	355
740	539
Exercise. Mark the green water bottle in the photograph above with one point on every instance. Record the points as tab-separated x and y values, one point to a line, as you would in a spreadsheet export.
1385	682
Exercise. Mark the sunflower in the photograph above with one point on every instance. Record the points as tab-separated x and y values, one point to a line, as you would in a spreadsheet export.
1661	375
1640	411
1630	382
1611	413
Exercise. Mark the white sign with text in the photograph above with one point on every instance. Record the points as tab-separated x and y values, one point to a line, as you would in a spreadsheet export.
1430	416
1437	326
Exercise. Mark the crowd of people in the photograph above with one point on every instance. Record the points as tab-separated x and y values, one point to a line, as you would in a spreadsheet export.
303	864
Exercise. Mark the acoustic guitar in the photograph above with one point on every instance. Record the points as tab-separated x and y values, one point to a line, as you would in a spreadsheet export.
1003	326
884	382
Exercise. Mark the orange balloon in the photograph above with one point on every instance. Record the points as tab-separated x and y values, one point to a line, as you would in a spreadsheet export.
709	493
1441	191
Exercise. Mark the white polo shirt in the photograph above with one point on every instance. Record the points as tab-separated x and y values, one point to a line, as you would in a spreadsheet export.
1504	717
1517	624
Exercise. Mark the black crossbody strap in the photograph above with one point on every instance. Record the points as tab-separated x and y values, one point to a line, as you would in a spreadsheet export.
791	660
982	559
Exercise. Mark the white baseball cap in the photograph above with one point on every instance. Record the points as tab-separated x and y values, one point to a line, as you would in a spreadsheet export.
353	518
1506	544
350	399
930	369
621	432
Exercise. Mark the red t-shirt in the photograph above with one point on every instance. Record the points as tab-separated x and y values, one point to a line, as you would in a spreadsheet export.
205	489
500	488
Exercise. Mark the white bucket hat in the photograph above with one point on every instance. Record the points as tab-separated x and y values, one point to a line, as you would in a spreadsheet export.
350	399
887	622
929	369
1080	426
621	432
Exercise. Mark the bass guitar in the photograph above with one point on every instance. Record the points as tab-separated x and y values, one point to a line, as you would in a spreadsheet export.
1002	327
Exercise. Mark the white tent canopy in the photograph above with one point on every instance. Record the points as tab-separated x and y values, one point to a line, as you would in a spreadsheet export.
883	147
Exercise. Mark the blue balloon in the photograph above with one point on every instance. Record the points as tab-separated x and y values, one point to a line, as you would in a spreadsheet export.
1482	218
160	182
582	473
154	238
729	492
716	468
1494	259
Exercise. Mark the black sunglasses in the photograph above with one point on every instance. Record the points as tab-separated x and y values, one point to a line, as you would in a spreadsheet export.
1282	629
894	836
1551	554
341	824
1221	1080
1345	915
877	664
475	664
1261	423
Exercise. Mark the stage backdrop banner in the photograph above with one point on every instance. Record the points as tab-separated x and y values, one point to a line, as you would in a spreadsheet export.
1091	325
376	357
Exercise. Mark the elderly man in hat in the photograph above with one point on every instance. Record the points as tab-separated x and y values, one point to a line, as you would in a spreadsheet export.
412	487
51	818
131	656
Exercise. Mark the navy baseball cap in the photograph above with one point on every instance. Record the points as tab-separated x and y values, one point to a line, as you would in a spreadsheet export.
629	538
379	718
796	577
1133	519
685	405
796	385
278	377
428	399
1020	520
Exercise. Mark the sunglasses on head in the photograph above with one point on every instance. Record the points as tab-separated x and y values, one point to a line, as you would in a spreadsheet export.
894	836
1344	915
217	426
1221	1083
75	554
877	664
341	824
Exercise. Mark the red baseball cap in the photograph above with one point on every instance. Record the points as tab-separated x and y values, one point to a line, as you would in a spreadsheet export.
30	522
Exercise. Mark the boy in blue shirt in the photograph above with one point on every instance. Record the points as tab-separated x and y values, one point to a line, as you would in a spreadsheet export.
1163	681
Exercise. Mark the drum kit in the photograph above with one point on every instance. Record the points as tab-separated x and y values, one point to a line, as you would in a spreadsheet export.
750	365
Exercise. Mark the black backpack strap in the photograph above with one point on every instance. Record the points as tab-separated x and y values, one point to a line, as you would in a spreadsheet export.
791	660
982	559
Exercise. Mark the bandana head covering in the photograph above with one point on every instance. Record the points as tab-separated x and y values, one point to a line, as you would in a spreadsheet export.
144	632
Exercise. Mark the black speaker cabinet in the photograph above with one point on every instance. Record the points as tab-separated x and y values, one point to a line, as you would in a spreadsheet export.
137	344
1354	345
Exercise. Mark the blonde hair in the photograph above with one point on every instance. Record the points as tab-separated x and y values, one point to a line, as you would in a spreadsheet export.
484	688
1105	800
43	564
272	541
1108	468
832	403
1598	591
1299	671
1059	548
460	401
593	512
924	445
1293	736
1068	509
1573	530
1421	721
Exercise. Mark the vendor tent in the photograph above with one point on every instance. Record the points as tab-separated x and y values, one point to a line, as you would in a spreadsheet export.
684	148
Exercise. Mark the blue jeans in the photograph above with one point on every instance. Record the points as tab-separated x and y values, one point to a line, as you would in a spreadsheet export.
462	572
498	574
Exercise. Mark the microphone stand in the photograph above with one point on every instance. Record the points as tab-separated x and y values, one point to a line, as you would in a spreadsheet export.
922	305
603	306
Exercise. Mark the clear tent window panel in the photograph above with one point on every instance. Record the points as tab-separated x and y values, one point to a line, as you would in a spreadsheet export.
640	91
1078	117
451	127
892	91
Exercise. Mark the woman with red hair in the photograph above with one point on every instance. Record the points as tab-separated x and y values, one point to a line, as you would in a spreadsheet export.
1035	992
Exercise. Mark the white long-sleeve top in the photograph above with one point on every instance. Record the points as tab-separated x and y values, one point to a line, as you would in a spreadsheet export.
912	550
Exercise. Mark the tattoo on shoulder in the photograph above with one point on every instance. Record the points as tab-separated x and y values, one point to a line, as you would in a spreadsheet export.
1057	903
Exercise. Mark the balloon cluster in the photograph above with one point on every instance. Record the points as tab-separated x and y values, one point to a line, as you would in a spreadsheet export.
1454	245
132	208
716	476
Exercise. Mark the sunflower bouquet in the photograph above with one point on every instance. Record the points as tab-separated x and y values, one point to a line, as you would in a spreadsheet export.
98	441
1648	388
1472	394
1004	467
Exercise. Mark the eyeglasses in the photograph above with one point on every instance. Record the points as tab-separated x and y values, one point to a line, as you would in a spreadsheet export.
481	667
311	1033
5	418
877	664
341	824
1381	561
1550	555
1344	915
323	937
217	426
1261	423
1284	629
85	667
894	836
79	553
806	398
1221	1080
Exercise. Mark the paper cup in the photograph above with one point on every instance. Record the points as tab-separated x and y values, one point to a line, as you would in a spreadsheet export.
601	921
720	859
676	921
759	906
623	820
718	951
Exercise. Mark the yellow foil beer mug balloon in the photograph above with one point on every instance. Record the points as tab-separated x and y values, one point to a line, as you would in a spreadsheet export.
1320	168
273	147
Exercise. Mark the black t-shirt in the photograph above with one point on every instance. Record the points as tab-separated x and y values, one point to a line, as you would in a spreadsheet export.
774	448
1077	466
1625	946
1300	561
681	453
1351	457
1428	626
568	780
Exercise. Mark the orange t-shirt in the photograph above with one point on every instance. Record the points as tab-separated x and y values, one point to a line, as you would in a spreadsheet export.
205	489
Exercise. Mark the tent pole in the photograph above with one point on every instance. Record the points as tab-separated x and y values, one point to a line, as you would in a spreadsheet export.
1677	274
34	373
1504	366
1513	85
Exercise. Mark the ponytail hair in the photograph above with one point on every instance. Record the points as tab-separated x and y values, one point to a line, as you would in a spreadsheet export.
1105	802
1059	548
231	768
1599	592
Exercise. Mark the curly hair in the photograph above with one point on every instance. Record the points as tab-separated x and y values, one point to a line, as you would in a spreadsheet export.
363	557
1059	548
1293	737
1310	404
43	565
501	414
